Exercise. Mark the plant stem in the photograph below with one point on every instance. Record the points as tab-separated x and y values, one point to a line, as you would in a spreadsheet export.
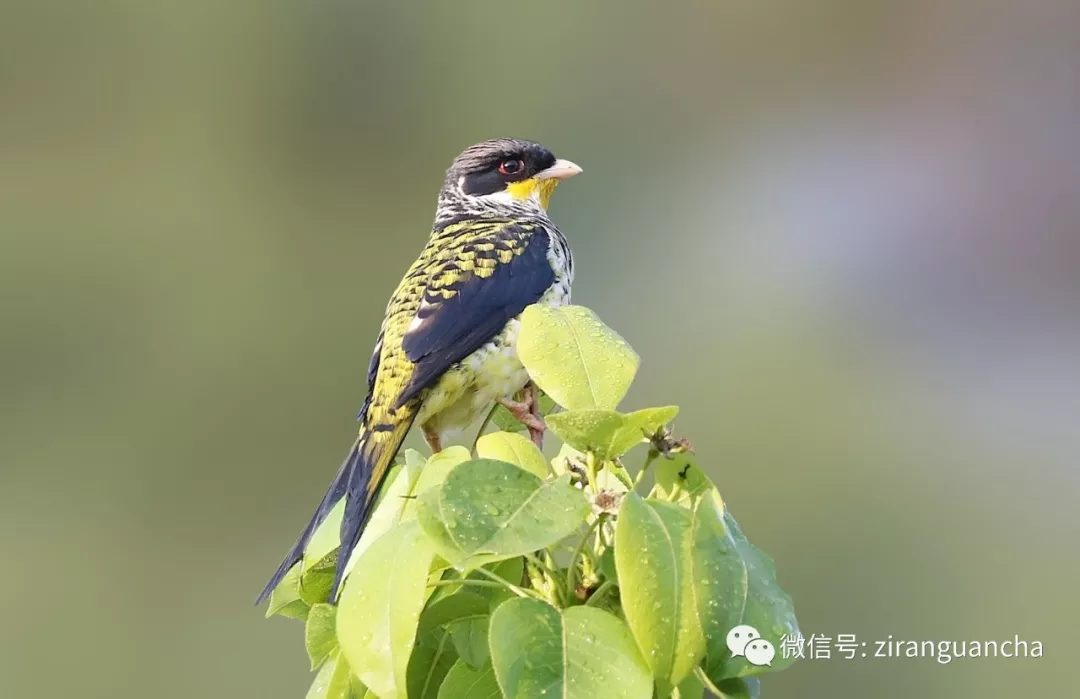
653	454
552	575
571	571
704	679
602	539
621	473
519	591
474	583
591	466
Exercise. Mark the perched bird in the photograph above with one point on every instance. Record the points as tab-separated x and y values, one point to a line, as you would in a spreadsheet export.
446	352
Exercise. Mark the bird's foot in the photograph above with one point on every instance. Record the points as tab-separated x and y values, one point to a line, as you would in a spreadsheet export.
432	438
527	412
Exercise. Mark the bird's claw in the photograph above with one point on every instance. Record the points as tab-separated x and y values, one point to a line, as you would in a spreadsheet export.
527	412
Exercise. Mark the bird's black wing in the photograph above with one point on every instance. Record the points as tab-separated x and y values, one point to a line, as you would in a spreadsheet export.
466	305
372	374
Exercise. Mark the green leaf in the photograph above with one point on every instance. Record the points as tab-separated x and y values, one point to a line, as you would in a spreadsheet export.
320	556
652	557
466	612
396	503
690	688
739	688
731	688
735	584
680	480
588	430
414	460
460	605
574	358
315	584
607	565
510	569
490	510
320	636
505	421
579	653
466	682
297	609
607	433
327	537
399	499
380	607
336	681
433	475
513	449
285	599
430	661
471	640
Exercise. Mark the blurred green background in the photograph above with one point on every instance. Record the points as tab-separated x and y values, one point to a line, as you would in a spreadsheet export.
842	235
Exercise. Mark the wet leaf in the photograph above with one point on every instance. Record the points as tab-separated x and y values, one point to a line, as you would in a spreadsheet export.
399	501
690	688
652	557
510	569
466	682
490	510
285	600
460	605
327	537
433	474
380	607
739	688
680	480
607	565
607	433
320	633
513	449
735	584
471	640
336	681
578	653
431	659
576	359
732	688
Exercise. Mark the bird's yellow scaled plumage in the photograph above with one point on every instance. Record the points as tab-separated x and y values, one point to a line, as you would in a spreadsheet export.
446	350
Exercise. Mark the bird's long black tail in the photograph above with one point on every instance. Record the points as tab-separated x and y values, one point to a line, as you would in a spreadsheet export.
358	481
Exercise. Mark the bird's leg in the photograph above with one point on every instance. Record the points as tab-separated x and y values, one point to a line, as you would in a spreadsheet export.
431	436
527	412
531	395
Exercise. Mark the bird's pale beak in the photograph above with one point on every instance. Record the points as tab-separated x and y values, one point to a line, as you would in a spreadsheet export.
561	170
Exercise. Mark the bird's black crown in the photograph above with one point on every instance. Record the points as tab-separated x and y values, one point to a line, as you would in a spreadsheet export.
489	166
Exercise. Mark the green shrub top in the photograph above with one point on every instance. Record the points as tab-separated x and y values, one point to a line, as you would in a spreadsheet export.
498	573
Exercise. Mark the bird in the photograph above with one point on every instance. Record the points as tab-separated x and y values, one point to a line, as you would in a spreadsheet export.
446	354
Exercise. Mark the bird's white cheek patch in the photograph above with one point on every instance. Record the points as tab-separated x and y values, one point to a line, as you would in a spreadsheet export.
503	197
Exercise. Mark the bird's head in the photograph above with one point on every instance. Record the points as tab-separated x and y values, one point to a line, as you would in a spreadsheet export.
505	173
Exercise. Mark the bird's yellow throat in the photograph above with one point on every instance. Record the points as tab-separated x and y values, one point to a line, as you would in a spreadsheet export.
526	189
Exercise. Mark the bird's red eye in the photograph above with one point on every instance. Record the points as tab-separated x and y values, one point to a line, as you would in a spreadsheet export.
510	166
